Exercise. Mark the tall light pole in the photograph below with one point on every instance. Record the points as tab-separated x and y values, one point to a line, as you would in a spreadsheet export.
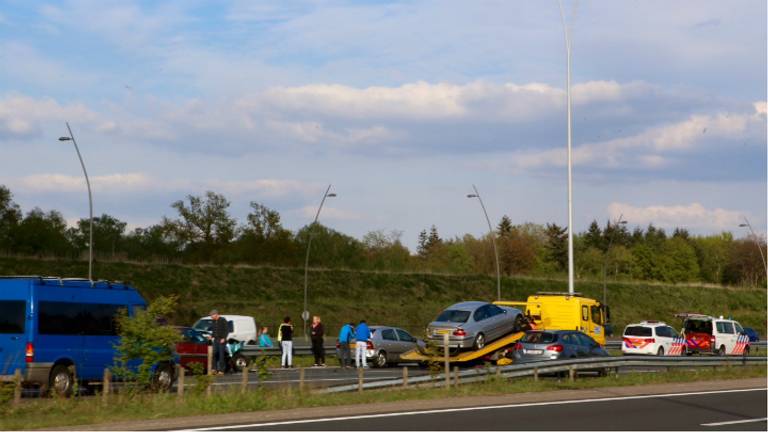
620	221
757	243
71	137
305	312
493	241
570	167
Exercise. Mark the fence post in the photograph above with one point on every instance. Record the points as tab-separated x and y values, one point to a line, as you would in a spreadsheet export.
571	373
210	359
17	387
447	362
106	385
360	379
301	378
536	374
456	376
76	388
244	381
405	376
180	382
498	371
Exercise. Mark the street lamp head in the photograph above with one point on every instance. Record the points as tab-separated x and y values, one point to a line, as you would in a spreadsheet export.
331	195
65	139
622	222
743	225
471	195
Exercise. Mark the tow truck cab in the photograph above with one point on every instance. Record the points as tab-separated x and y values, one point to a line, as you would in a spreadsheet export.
562	311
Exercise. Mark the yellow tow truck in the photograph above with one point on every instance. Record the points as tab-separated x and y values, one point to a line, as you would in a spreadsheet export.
544	311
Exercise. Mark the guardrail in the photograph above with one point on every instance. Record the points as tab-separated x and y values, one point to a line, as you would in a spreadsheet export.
555	366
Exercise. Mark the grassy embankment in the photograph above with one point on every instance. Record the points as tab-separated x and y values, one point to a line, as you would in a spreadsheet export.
410	300
43	413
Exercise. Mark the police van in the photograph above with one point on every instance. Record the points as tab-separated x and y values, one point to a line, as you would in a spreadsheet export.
57	330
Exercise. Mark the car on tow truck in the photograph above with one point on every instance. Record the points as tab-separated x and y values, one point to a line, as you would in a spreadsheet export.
543	345
473	324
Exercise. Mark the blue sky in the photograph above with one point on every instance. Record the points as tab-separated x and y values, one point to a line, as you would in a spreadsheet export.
401	105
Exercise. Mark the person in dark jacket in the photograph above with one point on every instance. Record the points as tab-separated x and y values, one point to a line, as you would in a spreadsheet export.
317	334
286	342
219	333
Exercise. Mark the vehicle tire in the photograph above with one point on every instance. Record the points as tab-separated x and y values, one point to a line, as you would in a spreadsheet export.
519	324
660	352
479	342
381	359
61	381
423	364
720	351
163	378
240	362
603	372
746	351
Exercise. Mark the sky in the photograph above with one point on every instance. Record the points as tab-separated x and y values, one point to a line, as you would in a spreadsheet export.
400	105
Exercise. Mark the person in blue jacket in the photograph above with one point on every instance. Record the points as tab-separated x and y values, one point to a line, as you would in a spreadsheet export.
362	336
264	339
345	338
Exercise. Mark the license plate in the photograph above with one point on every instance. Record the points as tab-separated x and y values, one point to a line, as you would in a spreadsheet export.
530	351
442	332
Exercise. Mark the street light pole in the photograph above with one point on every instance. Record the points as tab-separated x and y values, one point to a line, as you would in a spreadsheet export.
757	243
305	312
71	137
493	241
620	221
570	168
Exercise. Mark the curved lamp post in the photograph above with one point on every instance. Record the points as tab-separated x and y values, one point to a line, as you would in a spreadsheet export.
71	137
620	221
493	241
570	164
746	224
305	312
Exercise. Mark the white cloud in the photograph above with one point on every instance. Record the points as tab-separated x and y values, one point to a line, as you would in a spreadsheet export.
66	183
692	216
330	213
23	116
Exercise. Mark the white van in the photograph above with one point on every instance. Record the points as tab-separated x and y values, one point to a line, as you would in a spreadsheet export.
717	335
241	328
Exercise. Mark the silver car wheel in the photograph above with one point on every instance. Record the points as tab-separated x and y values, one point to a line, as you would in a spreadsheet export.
479	341
381	359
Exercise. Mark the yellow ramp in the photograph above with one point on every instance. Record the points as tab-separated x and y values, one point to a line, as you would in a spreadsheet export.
415	355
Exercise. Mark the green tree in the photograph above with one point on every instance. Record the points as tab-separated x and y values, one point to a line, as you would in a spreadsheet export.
713	253
264	222
204	225
557	246
384	251
593	238
107	235
10	216
144	342
42	234
505	226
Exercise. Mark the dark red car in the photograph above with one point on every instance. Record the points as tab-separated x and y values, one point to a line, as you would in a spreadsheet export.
193	348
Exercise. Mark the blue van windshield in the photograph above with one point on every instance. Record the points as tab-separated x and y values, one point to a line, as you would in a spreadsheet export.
12	316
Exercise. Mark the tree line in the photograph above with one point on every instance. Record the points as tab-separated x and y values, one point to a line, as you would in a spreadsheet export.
203	231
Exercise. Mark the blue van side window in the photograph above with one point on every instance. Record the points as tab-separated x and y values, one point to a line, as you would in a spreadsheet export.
12	316
62	318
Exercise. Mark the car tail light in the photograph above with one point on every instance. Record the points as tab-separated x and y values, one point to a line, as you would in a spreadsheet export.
518	346
649	340
369	345
459	332
29	354
556	348
711	339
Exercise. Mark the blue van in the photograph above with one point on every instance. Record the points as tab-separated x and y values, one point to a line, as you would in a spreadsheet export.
57	330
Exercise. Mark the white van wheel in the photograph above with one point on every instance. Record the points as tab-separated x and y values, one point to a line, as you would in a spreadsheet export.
660	352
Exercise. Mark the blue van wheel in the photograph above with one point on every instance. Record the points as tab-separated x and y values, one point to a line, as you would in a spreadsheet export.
61	381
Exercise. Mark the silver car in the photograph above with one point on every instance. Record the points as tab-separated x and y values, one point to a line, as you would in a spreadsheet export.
388	343
555	345
473	324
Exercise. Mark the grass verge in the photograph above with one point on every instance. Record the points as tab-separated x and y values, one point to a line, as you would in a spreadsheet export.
44	413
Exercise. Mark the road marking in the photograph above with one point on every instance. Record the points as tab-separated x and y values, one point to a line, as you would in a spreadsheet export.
733	422
479	408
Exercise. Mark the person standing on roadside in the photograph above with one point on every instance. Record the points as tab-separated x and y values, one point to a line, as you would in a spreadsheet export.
317	334
219	333
345	338
286	343
362	335
264	340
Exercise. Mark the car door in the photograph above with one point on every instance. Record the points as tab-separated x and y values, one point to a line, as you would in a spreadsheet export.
480	316
406	341
13	330
389	343
731	336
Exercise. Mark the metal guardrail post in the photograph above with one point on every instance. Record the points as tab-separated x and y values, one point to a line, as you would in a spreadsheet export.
301	379
106	384
456	376
210	359
180	382
535	374
360	379
405	377
571	373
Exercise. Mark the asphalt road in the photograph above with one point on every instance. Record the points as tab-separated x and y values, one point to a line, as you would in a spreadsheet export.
713	410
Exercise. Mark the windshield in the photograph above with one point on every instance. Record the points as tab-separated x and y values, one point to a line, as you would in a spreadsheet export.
539	338
457	316
204	325
638	331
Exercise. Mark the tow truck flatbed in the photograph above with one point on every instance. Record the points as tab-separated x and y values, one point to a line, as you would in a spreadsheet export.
415	355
